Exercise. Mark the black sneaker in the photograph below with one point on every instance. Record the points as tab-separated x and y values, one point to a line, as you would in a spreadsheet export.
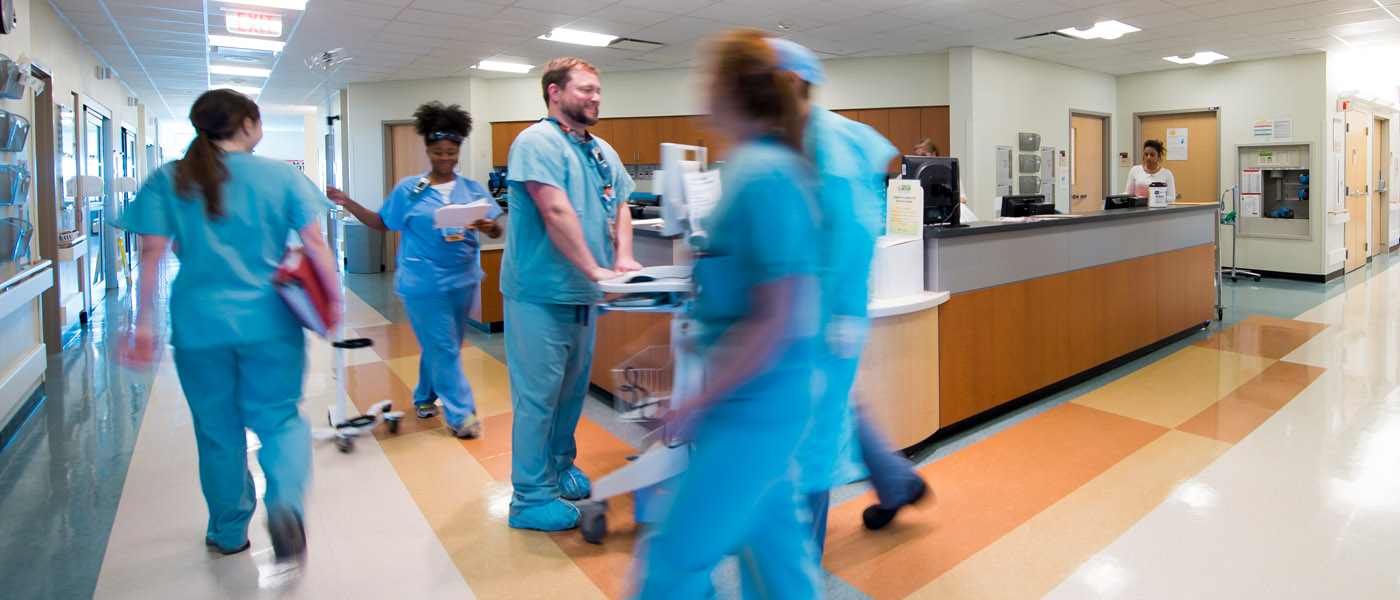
426	411
215	547
877	516
288	536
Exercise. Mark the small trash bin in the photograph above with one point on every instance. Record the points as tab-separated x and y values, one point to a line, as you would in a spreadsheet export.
364	248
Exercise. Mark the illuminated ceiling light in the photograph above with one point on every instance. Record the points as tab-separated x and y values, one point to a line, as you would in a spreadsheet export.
582	38
287	4
492	65
242	89
1108	30
1199	58
228	41
240	71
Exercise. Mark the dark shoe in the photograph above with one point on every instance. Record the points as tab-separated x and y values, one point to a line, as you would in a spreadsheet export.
288	536
877	516
426	411
215	547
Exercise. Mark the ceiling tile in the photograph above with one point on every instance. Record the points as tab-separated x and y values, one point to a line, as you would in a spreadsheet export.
1128	9
533	17
932	10
567	7
351	7
973	20
1030	9
421	30
735	14
694	25
880	5
878	22
835	12
427	17
1233	7
472	8
630	15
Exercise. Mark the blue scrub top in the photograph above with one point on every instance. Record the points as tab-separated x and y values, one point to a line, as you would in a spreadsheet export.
427	263
533	269
223	293
852	158
763	228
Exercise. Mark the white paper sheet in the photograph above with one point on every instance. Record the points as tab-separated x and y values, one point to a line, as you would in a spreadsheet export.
1177	146
460	215
701	195
1249	205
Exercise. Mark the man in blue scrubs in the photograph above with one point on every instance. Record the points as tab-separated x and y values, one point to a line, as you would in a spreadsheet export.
566	233
851	158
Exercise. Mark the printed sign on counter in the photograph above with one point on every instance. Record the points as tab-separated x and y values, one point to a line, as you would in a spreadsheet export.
905	208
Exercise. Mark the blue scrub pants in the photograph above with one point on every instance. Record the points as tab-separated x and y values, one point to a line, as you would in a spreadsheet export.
440	323
739	496
549	351
253	386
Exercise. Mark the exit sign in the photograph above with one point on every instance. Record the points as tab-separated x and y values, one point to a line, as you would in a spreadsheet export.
253	23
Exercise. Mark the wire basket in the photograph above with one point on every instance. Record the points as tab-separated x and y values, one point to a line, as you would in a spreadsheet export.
643	383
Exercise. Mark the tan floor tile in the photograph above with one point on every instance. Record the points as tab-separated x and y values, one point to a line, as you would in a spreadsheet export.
1176	388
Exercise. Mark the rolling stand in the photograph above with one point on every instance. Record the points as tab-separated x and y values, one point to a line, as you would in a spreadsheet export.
1232	219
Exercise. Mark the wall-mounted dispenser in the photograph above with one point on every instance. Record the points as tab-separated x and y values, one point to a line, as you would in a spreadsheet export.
14	130
1029	185
11	85
1028	142
14	185
1030	163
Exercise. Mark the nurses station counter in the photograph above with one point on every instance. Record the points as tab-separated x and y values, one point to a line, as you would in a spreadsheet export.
1011	309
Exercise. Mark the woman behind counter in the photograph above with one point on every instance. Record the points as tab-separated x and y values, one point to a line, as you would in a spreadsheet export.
1151	171
438	269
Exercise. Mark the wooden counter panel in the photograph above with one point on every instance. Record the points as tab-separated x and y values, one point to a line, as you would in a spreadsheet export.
1000	343
491	305
619	335
1112	311
1186	280
897	383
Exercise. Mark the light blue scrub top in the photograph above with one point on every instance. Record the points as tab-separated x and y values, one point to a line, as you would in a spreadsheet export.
852	158
223	293
763	229
533	269
427	263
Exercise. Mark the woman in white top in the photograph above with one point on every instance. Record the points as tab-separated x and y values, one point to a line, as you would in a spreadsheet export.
1150	171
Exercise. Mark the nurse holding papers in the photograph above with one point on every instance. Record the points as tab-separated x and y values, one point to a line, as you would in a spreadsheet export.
439	263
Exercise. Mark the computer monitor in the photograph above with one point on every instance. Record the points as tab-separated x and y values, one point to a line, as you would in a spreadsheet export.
938	176
676	161
1025	206
1116	201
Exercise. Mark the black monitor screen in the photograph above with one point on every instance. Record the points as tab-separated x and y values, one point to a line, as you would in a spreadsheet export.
938	176
1123	201
1022	206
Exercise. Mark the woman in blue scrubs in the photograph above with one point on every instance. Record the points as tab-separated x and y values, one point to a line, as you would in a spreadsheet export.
439	269
239	352
757	307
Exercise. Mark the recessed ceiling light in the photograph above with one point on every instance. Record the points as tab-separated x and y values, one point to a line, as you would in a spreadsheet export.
786	25
229	41
574	36
1108	30
1199	58
493	65
244	71
287	4
242	89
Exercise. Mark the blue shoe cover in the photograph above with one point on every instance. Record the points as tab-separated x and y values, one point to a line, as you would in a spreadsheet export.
557	515
573	484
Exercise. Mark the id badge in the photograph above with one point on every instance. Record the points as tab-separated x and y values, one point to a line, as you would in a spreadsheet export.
454	234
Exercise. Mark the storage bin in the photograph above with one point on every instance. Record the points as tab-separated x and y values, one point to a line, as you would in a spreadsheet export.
10	86
14	130
14	185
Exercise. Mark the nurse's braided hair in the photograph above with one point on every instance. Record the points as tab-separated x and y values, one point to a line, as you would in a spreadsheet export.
746	67
434	122
216	115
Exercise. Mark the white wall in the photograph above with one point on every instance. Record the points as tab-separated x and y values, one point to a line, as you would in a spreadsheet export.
1289	87
370	105
997	95
282	145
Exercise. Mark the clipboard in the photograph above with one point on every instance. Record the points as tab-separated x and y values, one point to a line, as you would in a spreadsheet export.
460	215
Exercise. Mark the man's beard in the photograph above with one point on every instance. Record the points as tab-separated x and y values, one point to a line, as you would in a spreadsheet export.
579	114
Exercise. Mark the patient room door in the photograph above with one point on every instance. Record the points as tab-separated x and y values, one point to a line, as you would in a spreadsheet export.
405	154
1087	160
1358	189
1198	173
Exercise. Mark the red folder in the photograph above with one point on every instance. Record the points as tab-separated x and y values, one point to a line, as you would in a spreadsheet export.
297	284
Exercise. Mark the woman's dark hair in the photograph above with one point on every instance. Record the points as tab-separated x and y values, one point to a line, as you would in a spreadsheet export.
1155	145
216	115
746	66
436	122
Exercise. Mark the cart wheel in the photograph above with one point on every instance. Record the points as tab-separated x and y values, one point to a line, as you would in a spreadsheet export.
1256	279
592	521
393	425
345	445
1234	279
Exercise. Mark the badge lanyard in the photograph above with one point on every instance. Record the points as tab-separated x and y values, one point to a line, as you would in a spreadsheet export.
594	152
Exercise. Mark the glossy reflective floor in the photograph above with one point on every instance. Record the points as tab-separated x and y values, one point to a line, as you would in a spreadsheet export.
1257	459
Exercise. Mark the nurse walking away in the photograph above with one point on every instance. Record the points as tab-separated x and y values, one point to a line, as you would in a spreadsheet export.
851	158
239	351
438	268
757	309
566	233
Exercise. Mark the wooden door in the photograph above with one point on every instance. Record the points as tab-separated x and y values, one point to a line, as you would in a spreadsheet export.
502	136
408	155
1086	185
603	129
1380	209
1357	188
1197	177
650	132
